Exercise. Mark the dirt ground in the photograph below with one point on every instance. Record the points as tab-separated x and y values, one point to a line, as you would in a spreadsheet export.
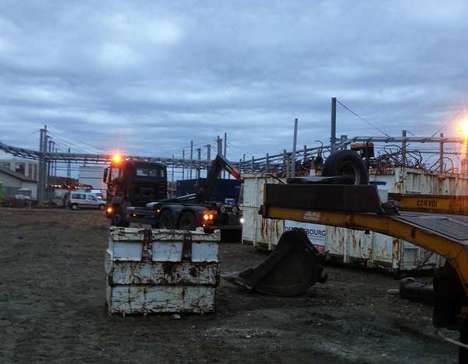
52	292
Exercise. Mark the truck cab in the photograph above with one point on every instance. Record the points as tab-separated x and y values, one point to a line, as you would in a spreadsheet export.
132	183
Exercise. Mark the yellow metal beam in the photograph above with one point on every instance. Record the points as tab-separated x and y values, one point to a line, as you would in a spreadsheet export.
441	204
455	252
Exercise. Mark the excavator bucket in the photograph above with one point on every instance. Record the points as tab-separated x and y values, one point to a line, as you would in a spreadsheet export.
290	270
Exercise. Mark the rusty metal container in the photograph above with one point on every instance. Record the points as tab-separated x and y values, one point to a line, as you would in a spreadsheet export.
262	233
156	271
377	250
351	246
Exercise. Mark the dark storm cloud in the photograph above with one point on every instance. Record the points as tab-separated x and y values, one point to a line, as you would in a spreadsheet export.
149	76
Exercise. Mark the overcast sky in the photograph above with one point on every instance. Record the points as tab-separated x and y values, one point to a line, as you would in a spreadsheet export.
147	77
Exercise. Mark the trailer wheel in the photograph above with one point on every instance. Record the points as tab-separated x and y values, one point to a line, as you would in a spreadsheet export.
187	221
166	221
346	163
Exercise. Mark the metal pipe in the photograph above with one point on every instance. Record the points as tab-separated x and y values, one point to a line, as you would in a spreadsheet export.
183	165
199	160
208	157
69	167
333	125
441	155
293	159
191	158
55	162
285	165
41	177
225	153
172	170
403	147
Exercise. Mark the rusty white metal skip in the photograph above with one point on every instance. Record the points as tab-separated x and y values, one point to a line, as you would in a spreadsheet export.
351	246
158	271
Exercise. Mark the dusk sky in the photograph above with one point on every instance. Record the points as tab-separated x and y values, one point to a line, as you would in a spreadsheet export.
146	77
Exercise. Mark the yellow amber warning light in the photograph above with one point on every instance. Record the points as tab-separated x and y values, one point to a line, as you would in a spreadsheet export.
116	158
463	127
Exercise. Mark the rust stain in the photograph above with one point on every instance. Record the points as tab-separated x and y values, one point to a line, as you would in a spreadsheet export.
395	250
193	271
169	268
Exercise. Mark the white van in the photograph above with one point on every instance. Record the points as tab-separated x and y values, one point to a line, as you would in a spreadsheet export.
85	200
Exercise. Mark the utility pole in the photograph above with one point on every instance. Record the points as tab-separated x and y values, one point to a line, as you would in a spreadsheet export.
293	160
285	164
267	163
305	154
208	157
55	161
333	125
191	158
441	155
42	165
199	162
48	149
403	147
49	162
172	171
183	164
225	153
40	177
69	168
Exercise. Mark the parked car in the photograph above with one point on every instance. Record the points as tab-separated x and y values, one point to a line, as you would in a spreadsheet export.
85	200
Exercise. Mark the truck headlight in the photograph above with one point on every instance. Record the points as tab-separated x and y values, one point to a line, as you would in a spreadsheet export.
209	216
241	220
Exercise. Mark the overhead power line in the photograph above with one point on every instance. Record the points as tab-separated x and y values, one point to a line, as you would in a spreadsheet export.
368	122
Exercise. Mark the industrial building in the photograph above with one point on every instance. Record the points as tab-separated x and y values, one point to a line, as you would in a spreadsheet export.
14	183
25	167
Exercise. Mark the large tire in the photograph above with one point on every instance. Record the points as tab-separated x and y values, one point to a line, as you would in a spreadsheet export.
346	163
166	220
187	221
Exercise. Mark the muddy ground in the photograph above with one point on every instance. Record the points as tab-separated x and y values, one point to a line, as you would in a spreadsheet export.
52	292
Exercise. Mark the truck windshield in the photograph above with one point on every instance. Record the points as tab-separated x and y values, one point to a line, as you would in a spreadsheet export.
150	172
115	173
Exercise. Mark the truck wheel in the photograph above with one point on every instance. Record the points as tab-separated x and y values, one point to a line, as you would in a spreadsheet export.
187	221
346	163
166	221
101	207
74	206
